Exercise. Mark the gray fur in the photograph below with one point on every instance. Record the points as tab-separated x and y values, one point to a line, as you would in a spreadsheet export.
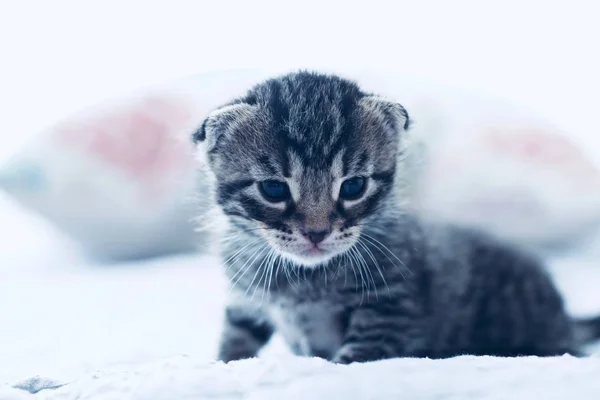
383	283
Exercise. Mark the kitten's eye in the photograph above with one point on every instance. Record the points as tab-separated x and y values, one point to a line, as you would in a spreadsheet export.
274	191
353	188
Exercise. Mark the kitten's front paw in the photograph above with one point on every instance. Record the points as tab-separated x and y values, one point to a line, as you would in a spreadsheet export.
237	347
352	353
234	355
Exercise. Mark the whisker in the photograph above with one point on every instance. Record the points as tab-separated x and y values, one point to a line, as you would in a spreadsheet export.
377	243
303	274
271	266
337	271
278	260
231	260
353	269
268	273
352	252
261	270
388	257
249	262
372	256
287	272
369	274
247	248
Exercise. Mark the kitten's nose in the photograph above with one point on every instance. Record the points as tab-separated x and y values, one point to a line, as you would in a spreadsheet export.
316	237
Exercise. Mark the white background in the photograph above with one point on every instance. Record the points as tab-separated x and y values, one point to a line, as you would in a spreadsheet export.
58	56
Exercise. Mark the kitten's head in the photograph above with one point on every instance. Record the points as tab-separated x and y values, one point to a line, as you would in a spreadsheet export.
303	161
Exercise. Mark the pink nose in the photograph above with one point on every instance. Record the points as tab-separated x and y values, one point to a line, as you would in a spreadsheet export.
316	237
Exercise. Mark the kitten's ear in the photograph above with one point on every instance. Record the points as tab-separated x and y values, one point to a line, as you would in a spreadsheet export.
221	121
392	113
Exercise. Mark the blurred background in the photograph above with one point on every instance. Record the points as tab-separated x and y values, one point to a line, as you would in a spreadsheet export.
58	57
537	59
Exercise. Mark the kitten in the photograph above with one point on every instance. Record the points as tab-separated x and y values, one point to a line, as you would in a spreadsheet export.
305	167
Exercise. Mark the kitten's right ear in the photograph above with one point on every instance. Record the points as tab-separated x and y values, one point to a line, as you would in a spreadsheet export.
391	112
220	122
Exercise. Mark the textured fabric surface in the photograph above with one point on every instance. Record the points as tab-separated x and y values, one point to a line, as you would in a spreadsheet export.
303	378
99	329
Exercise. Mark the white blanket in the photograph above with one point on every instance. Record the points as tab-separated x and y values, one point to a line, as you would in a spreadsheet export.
290	378
100	329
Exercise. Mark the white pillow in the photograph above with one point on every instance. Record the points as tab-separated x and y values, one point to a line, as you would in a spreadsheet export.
114	180
482	162
526	182
121	179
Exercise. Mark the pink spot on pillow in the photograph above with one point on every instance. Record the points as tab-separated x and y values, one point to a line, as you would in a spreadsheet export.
537	146
545	150
144	141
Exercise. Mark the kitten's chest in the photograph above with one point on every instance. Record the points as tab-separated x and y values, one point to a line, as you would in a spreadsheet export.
312	328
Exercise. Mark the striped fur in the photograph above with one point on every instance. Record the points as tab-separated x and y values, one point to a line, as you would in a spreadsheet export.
382	283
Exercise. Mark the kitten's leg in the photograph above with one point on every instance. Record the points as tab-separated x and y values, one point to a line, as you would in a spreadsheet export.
380	331
245	332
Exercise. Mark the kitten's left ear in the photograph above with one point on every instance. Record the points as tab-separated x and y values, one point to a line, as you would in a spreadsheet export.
390	112
200	134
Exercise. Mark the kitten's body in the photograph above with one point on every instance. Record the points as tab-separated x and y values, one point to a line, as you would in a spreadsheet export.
375	282
448	292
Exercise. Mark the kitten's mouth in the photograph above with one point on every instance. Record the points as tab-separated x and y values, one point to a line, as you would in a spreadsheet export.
310	256
315	251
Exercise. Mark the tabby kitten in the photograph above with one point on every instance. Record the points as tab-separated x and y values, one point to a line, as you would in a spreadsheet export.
305	167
